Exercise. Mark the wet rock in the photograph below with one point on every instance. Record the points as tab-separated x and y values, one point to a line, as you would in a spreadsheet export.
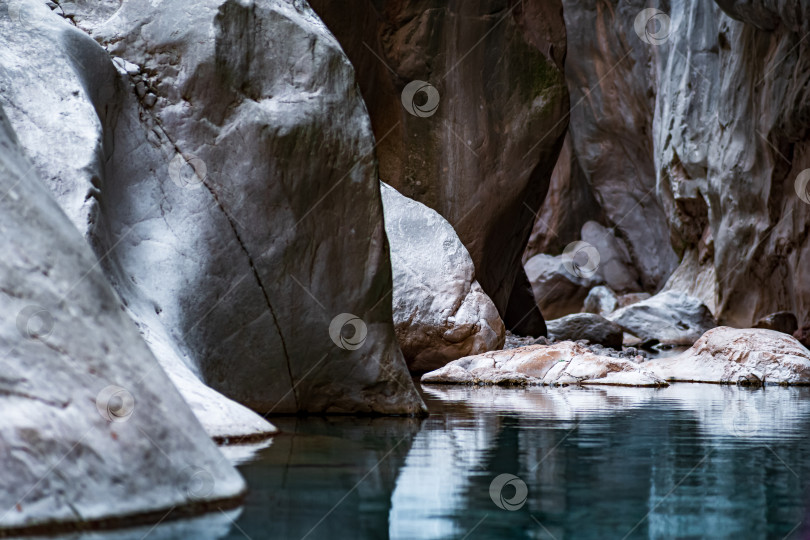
588	326
440	311
93	431
477	142
670	317
564	363
251	280
734	356
558	292
783	321
600	300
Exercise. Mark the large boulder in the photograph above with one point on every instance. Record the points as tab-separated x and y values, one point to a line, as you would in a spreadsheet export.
672	318
558	290
440	311
237	253
733	356
601	300
559	364
88	90
588	326
469	105
93	432
782	321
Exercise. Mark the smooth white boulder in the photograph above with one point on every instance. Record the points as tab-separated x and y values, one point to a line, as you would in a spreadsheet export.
563	363
738	356
440	311
92	429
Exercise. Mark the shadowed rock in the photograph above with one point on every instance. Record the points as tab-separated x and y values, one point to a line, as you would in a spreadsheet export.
672	318
558	292
594	328
477	142
783	321
440	311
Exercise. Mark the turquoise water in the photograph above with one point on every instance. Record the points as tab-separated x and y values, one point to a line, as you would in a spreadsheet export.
688	461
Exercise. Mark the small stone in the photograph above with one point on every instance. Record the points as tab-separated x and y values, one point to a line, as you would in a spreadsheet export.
149	100
140	89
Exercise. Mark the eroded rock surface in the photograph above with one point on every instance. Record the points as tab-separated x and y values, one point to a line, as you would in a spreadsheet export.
558	292
672	318
559	364
734	356
232	247
479	143
92	428
440	311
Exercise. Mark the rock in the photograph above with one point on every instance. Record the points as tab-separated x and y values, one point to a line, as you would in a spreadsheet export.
440	311
93	432
558	292
522	314
513	341
570	203
588	326
672	318
251	280
783	321
803	335
561	364
601	300
629	299
732	356
616	268
481	150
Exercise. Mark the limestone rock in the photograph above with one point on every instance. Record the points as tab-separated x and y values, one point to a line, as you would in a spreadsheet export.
672	318
601	300
469	106
559	364
92	428
222	234
615	266
594	328
440	311
733	356
558	292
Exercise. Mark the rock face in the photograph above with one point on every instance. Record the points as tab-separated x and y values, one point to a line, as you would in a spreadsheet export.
732	356
693	137
670	317
594	328
92	428
783	321
469	106
560	364
558	291
615	266
440	311
234	250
